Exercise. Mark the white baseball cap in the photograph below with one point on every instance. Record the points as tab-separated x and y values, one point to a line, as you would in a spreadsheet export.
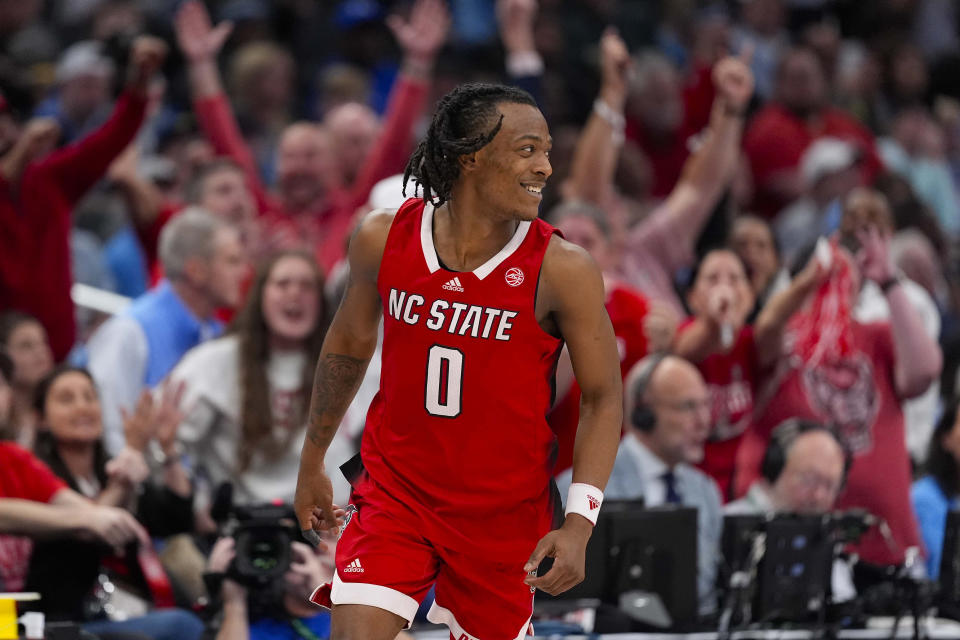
81	59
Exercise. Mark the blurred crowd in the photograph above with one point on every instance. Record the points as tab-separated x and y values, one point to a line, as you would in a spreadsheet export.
770	188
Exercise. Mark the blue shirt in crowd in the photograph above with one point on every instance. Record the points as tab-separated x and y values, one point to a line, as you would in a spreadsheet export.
270	629
931	505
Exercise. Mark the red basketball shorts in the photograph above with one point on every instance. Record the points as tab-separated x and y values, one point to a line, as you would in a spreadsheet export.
384	561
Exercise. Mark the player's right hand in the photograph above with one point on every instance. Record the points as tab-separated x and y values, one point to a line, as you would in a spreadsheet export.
568	548
313	504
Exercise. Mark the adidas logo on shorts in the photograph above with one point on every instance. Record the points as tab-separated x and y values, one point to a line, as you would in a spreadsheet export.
353	567
454	285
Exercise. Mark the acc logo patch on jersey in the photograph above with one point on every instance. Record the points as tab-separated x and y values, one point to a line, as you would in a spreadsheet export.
514	276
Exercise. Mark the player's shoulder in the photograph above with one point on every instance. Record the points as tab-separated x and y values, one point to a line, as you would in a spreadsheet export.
369	240
568	273
564	259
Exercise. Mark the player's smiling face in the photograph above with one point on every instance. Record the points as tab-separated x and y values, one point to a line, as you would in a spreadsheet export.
512	170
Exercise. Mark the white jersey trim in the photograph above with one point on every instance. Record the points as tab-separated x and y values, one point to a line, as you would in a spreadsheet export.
442	615
373	595
426	238
430	251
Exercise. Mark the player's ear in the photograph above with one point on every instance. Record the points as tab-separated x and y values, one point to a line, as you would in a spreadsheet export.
468	162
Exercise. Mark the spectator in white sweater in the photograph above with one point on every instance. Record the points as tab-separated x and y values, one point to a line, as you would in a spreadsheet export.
247	393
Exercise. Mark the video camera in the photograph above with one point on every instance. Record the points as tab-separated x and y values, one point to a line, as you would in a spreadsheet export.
262	537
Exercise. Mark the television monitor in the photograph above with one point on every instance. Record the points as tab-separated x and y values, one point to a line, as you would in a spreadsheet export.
794	575
637	550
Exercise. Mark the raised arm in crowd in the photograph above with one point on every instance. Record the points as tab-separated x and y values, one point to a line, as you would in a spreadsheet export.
663	242
307	193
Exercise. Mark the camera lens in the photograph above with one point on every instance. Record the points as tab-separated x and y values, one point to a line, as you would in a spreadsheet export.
264	555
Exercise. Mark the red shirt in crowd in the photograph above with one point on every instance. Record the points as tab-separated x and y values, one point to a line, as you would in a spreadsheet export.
627	309
24	477
35	274
776	139
328	229
667	156
857	398
731	379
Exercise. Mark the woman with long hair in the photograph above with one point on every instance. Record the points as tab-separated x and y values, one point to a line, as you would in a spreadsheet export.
70	442
247	393
938	491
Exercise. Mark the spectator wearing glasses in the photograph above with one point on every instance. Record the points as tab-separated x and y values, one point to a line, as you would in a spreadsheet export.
803	471
667	410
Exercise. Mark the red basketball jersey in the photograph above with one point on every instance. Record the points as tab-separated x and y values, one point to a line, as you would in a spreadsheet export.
458	430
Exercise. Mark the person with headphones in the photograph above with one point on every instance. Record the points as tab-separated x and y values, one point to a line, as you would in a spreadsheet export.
803	471
667	410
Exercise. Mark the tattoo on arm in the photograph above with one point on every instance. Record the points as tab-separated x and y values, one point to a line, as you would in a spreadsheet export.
335	383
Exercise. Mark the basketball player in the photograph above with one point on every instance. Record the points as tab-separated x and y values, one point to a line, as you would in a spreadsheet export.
478	296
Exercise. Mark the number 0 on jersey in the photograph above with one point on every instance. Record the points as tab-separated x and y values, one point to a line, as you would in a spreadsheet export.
444	381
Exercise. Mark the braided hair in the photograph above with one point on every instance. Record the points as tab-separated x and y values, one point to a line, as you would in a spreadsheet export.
460	126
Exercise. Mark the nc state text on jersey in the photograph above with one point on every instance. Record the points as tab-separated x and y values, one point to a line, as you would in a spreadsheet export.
453	317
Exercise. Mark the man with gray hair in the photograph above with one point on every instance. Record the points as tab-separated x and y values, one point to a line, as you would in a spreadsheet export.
204	265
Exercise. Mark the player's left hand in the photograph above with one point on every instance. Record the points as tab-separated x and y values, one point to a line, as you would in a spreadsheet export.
567	546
